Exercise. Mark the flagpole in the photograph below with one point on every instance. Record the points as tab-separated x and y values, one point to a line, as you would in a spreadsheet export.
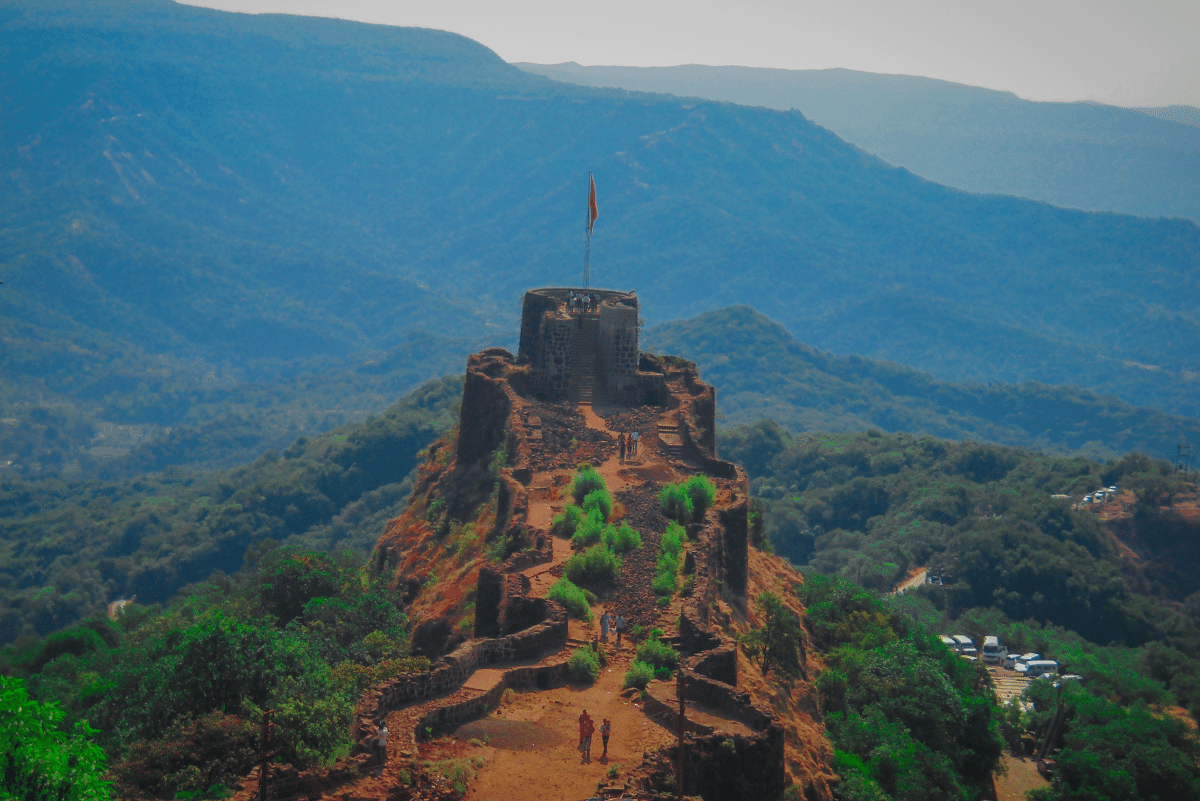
587	240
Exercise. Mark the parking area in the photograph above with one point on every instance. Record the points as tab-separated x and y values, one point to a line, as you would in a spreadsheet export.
1009	684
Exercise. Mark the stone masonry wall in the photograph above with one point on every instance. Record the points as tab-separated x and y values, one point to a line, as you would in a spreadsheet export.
454	668
552	361
619	344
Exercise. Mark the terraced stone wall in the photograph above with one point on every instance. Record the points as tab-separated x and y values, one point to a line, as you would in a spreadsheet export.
453	669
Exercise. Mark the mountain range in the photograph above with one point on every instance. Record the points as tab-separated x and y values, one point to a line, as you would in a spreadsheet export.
1079	155
761	372
198	204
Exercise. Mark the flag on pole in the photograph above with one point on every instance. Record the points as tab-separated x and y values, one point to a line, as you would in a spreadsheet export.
593	210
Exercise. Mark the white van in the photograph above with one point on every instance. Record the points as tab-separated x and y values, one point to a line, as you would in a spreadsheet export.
966	646
1037	667
1012	660
949	642
993	651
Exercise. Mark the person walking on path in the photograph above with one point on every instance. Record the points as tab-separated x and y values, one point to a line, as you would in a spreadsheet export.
618	627
586	727
381	741
605	622
633	440
605	730
621	445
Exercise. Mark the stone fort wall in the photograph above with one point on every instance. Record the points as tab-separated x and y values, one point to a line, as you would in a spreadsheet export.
567	348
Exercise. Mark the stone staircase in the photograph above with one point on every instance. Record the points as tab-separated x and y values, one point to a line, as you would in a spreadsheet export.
669	441
585	358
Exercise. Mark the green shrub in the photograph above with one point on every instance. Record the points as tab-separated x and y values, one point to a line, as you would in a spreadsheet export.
658	654
598	501
593	566
664	581
673	538
676	503
583	666
639	675
622	539
572	597
702	492
568	521
587	481
589	532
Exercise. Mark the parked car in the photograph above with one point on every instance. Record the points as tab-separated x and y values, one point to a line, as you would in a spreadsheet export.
1036	667
1046	768
993	651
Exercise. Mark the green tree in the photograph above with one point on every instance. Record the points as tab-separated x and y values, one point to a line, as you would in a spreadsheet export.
40	759
779	642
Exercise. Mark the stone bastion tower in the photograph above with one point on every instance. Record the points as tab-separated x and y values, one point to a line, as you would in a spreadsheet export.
581	343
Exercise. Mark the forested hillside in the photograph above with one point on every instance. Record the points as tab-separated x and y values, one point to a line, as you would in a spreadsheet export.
70	547
1079	155
759	368
871	506
762	371
196	202
151	521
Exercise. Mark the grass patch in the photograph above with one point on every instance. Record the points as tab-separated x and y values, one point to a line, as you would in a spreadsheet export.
583	666
589	532
670	555
675	503
567	522
622	539
658	654
596	565
702	492
587	480
598	501
639	675
571	596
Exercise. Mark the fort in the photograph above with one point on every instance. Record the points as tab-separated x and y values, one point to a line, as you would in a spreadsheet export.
581	343
476	552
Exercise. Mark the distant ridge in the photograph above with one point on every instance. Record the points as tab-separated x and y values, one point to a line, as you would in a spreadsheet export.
762	372
1077	155
1185	115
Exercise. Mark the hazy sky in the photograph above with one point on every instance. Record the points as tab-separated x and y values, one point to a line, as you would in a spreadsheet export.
1126	53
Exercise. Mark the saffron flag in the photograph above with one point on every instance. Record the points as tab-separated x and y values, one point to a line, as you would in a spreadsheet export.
593	211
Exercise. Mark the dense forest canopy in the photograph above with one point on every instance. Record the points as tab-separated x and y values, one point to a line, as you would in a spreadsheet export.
871	506
69	547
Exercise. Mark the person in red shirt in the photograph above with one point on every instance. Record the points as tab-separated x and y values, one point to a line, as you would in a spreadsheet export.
586	727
